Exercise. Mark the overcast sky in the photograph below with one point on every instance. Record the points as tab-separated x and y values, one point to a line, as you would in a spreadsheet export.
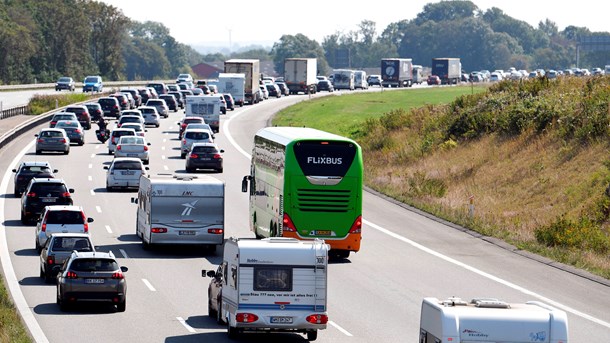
239	22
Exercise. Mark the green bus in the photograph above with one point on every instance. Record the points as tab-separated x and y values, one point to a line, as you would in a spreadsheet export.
306	183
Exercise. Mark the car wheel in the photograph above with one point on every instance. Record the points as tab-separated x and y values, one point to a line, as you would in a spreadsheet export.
41	275
312	335
16	193
219	318
211	311
38	247
48	277
24	219
38	152
232	332
190	170
109	152
146	162
81	143
219	170
120	307
145	245
67	152
182	155
157	125
108	188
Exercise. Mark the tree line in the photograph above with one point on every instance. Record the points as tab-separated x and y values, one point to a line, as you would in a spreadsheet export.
42	40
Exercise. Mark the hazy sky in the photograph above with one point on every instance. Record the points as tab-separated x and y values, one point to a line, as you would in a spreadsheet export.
200	22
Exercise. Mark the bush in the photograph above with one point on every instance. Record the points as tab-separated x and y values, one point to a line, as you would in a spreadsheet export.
44	103
565	233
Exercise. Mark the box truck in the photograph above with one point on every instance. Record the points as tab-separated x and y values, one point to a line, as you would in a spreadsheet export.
233	84
449	70
344	79
180	210
273	284
300	75
491	320
205	106
251	69
396	72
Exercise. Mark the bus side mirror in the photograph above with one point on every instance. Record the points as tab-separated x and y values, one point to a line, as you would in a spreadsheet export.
244	183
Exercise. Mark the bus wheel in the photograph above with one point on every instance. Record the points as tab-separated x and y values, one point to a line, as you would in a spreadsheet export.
340	254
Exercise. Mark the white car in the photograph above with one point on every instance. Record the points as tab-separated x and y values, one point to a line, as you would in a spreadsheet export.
133	146
264	92
124	172
115	135
151	116
60	218
184	78
203	126
124	119
137	127
194	136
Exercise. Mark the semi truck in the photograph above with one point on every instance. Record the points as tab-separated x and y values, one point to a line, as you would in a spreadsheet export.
273	284
396	72
300	75
233	84
449	70
251	69
490	320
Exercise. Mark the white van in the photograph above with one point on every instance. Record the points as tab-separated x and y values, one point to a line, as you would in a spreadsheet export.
360	80
491	320
180	210
272	284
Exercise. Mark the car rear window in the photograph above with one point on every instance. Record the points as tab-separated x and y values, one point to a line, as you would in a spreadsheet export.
196	135
94	265
122	133
193	120
107	102
49	188
124	165
35	170
71	243
65	217
205	150
51	134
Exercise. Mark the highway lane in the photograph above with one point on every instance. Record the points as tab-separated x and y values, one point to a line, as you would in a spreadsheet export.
375	295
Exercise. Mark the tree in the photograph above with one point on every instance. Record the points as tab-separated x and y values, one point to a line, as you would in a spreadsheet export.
297	46
446	11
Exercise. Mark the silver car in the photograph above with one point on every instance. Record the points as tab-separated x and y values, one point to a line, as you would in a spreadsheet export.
51	139
133	146
60	218
151	116
193	136
138	128
160	105
57	250
124	172
115	135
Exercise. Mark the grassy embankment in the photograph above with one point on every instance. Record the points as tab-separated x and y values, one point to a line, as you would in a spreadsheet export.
533	155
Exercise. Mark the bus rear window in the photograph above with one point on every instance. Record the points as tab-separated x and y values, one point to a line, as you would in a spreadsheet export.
324	158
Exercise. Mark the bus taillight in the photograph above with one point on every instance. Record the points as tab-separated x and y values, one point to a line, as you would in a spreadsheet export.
288	225
357	226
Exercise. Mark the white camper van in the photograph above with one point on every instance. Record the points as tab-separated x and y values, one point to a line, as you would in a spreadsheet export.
343	79
491	320
360	80
180	210
272	284
205	106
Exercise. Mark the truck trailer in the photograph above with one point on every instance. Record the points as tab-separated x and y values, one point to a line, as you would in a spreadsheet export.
251	69
300	75
491	320
396	72
449	70
270	285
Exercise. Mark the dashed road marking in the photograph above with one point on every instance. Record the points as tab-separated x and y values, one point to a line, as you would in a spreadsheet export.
92	155
90	165
162	157
345	332
90	178
98	209
188	327
108	229
166	167
152	289
124	253
92	191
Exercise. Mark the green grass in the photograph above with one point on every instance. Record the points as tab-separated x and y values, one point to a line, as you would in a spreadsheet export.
11	327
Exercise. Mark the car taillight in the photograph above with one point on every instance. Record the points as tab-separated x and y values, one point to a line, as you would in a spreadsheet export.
43	227
118	147
145	148
194	156
40	140
53	122
113	140
71	275
65	194
158	230
288	225
216	231
184	141
317	319
86	226
246	318
357	226
50	259
63	140
217	156
77	131
183	125
117	275
31	195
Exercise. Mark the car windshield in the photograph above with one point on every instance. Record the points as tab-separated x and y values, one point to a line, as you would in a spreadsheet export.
71	243
65	217
64	79
124	165
94	265
196	135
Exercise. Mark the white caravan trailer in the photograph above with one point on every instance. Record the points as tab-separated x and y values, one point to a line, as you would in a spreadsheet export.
180	210
491	320
343	79
272	284
233	84
205	106
360	79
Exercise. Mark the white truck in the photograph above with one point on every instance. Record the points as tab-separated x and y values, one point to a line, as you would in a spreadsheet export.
300	75
418	74
272	284
180	210
360	80
251	69
233	84
205	106
491	320
344	79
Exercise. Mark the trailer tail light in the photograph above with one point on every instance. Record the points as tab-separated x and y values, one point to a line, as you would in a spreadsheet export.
43	227
216	231
357	226
71	275
118	147
158	230
145	148
287	224
317	319
246	318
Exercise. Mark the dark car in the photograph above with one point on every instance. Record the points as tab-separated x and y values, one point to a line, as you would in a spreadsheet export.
58	249
73	129
179	98
170	101
325	85
160	87
91	276
28	170
135	95
145	94
123	101
434	80
110	106
65	83
43	192
204	156
283	88
230	101
83	115
95	110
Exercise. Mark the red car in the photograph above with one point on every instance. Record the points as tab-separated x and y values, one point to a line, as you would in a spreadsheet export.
434	80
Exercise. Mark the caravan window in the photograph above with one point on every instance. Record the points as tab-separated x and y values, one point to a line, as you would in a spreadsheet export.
269	278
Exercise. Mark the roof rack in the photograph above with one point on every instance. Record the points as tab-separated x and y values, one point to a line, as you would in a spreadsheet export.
454	301
489	303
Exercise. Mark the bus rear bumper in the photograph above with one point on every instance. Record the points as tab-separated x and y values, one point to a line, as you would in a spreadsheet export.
349	243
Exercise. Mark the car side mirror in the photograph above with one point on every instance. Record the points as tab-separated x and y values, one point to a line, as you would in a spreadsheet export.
89	220
71	190
105	167
14	170
148	143
124	269
244	183
146	168
55	171
134	200
222	150
36	135
209	273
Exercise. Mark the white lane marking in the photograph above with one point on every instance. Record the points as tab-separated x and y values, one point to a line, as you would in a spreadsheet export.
7	265
90	178
90	165
98	209
165	167
92	155
165	139
92	191
108	229
487	275
345	332
162	157
188	327
566	308
97	147
163	148
152	289
124	253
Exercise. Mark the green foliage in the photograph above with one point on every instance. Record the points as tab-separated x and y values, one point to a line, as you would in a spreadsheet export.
581	234
11	328
44	103
421	185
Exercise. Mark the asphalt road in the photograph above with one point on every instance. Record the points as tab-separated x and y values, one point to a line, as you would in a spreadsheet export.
374	296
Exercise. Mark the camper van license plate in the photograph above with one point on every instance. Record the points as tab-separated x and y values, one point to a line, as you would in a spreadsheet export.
186	232
281	320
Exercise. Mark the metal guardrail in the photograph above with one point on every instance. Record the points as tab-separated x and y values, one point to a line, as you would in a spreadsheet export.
14	111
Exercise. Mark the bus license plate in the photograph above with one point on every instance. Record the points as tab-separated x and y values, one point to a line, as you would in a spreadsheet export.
281	320
323	233
186	232
94	280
